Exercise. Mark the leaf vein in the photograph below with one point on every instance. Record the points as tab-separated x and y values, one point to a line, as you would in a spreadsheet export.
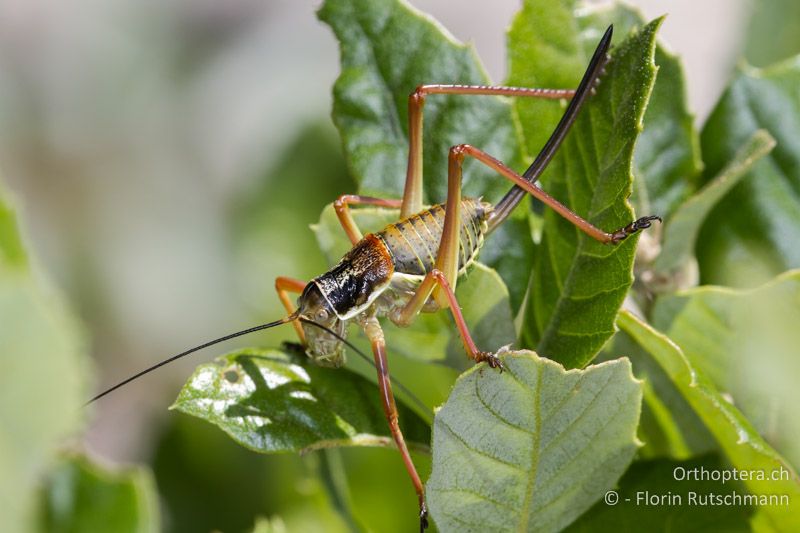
477	495
497	415
476	451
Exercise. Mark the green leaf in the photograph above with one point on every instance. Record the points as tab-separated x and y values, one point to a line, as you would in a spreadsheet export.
531	448
510	251
735	436
673	481
482	294
746	343
774	31
387	50
752	234
680	232
578	284
268	223
270	401
42	385
667	153
668	426
269	525
196	464
11	250
83	497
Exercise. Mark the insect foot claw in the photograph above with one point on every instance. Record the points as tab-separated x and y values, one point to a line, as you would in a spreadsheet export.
423	517
634	227
491	359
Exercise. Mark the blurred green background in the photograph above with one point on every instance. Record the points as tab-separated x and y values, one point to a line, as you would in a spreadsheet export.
168	158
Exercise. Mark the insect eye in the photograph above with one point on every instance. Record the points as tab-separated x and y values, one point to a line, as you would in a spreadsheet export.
322	315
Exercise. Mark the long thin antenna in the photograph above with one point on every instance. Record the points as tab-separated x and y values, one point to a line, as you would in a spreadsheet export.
366	358
586	88
293	316
192	350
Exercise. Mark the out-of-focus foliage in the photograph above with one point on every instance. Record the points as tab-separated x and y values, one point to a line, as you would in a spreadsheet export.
12	253
668	427
680	232
743	447
81	497
774	32
43	382
206	480
752	234
746	343
43	388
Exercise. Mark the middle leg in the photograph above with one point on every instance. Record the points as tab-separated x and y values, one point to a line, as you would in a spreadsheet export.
342	208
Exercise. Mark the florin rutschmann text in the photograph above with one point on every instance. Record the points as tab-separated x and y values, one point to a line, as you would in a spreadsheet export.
729	497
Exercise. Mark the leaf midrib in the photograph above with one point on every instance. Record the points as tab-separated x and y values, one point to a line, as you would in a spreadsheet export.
528	501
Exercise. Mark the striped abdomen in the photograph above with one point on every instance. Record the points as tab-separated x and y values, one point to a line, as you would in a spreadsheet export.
413	242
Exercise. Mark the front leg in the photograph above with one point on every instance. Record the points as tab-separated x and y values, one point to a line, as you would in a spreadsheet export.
284	286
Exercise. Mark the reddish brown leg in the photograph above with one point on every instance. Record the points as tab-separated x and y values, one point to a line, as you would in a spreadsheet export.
412	194
342	208
447	256
372	329
457	154
407	314
284	286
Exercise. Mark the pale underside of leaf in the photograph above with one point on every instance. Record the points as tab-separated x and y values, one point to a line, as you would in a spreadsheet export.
531	448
